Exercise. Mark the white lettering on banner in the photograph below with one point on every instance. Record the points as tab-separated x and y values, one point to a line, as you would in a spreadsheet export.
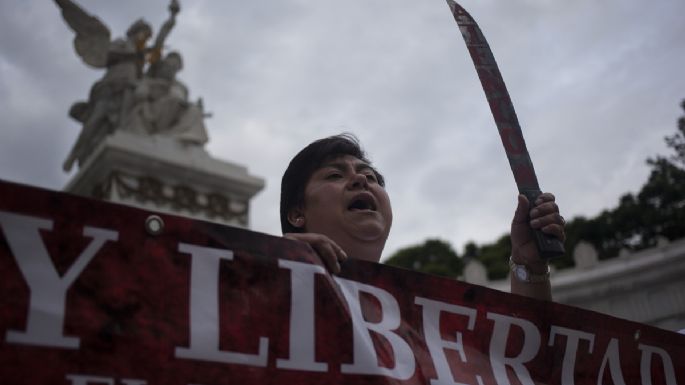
612	358
568	367
204	310
436	345
45	320
132	381
80	379
302	333
365	359
646	364
498	346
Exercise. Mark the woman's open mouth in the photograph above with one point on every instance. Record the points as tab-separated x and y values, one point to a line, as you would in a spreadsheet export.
362	202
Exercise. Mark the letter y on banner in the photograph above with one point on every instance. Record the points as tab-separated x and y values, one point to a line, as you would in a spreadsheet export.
48	289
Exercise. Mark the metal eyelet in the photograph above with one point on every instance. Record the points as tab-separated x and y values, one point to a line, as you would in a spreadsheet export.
154	225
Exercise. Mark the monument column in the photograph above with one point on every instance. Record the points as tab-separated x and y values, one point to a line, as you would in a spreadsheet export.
161	174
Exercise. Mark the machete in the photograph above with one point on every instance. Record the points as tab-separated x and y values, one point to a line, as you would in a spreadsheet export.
505	119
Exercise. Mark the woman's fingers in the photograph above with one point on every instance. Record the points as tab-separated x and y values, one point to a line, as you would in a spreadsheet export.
330	253
545	217
552	224
544	197
556	230
544	209
522	209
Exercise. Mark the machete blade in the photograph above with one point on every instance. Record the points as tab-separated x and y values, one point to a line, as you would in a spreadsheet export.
505	118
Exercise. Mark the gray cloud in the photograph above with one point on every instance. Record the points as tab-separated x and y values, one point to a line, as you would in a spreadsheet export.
596	86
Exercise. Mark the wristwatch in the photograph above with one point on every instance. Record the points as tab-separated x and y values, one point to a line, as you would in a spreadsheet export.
522	274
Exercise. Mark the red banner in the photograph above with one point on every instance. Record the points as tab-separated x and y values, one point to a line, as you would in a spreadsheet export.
93	295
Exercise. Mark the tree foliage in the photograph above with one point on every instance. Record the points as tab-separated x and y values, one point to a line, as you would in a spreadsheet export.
637	222
433	257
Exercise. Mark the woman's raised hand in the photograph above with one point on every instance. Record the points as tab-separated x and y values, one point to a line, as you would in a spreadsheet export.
544	216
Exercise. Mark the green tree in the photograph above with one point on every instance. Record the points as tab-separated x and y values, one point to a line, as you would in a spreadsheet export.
657	210
663	196
677	142
434	256
495	257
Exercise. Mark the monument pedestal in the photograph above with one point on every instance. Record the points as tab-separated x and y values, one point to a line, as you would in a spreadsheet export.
162	174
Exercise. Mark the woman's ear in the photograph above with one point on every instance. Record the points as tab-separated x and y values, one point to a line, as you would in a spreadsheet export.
296	218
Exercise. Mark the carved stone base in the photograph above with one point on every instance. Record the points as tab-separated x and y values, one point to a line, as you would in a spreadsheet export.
162	174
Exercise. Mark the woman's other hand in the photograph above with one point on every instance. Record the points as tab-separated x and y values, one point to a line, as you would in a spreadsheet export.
543	216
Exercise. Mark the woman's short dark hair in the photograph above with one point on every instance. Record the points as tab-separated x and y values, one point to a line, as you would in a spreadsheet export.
306	162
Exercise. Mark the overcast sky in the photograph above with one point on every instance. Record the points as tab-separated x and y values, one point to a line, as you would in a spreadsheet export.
596	85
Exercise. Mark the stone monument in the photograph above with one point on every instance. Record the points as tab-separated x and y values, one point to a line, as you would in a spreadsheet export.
142	139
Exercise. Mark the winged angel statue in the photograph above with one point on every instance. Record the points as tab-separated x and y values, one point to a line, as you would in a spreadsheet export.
138	92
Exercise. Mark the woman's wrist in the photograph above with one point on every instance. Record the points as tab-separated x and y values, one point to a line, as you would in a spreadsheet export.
536	272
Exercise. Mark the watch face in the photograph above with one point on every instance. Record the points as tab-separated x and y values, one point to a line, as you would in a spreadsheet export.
521	273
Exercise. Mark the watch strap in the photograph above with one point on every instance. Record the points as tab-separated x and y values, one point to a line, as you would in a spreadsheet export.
523	274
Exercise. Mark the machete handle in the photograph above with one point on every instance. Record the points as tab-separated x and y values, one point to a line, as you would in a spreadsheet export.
549	246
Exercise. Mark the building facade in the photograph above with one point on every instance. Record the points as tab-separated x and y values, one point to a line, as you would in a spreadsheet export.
646	286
